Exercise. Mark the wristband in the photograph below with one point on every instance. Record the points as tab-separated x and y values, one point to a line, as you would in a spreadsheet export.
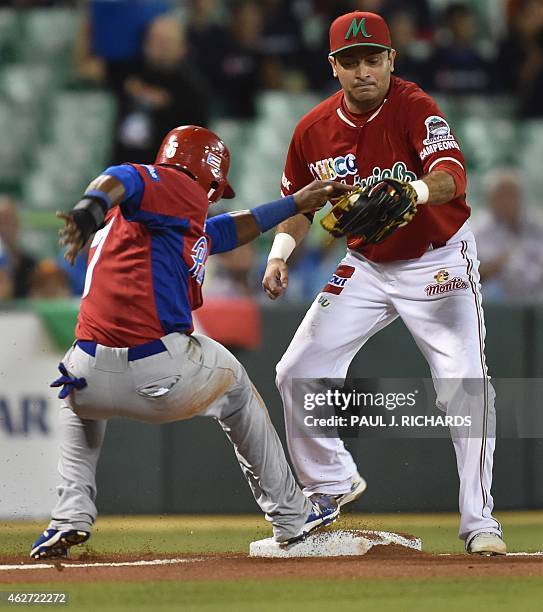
269	215
96	207
89	214
423	193
282	247
98	194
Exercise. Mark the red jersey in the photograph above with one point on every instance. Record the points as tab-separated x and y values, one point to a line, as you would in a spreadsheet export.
405	138
146	266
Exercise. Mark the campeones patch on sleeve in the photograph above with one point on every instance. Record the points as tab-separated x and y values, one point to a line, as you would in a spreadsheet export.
438	137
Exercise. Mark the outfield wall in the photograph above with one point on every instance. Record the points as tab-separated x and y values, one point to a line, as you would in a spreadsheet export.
28	409
190	467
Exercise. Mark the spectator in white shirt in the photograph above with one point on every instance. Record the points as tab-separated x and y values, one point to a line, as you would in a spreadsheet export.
509	242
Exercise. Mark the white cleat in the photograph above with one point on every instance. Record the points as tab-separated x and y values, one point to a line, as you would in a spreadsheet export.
487	544
358	486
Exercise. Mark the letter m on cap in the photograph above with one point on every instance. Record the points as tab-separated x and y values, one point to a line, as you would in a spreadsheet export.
357	28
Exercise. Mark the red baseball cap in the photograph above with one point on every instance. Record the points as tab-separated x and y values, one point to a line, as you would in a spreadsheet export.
359	29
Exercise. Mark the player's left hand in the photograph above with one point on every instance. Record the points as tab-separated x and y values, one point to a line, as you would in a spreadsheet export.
316	194
372	213
70	236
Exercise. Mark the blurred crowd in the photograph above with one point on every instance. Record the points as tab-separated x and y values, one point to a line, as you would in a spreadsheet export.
238	47
215	57
24	276
226	51
177	62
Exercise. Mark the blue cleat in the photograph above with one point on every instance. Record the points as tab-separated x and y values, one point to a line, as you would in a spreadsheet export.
324	511
54	543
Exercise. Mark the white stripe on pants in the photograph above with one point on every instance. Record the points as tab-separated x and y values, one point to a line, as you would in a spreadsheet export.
448	329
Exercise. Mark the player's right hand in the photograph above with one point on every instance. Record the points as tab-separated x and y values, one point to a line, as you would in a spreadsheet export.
316	194
70	236
275	279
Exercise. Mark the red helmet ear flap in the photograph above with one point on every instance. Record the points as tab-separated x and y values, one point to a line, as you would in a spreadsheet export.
228	192
202	154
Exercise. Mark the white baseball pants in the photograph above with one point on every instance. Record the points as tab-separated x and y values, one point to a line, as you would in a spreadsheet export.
449	330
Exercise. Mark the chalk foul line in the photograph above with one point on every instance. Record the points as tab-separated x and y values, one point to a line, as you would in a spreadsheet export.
509	554
31	566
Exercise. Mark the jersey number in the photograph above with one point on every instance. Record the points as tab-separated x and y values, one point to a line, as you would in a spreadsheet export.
98	242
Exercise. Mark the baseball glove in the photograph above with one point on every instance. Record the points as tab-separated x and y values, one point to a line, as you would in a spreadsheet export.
373	213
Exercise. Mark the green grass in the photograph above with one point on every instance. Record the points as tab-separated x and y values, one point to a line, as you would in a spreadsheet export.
441	595
196	534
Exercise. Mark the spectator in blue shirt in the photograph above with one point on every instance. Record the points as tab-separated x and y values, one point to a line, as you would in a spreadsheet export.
457	65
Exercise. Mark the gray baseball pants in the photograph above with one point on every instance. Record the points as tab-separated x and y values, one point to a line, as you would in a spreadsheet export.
196	376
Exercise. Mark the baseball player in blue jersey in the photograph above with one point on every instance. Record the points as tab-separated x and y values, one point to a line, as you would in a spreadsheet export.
136	355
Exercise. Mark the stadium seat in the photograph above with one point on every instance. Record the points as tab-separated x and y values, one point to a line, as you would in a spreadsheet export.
529	149
237	135
8	34
47	35
26	85
283	110
77	149
12	127
486	142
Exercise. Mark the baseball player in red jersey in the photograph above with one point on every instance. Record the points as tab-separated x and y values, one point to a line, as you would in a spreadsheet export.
136	356
379	126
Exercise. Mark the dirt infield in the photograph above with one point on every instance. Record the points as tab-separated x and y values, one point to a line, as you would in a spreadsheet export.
381	562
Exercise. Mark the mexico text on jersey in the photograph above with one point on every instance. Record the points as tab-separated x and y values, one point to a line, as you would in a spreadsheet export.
405	138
